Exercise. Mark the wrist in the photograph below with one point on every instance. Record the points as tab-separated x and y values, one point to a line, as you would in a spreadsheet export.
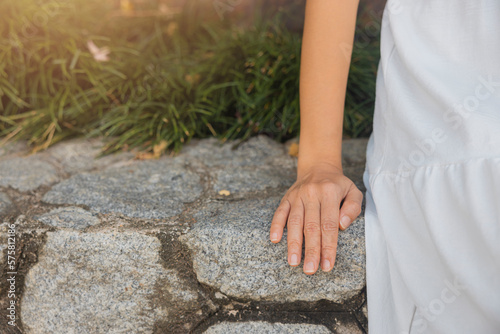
304	167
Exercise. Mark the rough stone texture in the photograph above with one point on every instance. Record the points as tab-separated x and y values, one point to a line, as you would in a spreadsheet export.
78	155
3	241
112	280
100	283
347	328
249	178
254	165
146	189
26	173
362	316
69	217
254	327
354	151
5	203
232	252
257	151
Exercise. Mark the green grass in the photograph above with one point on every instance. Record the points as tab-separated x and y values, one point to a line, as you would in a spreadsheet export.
168	79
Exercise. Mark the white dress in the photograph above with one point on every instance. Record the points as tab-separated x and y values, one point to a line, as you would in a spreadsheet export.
433	170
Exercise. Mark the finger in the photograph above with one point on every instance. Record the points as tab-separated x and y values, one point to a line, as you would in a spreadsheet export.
329	230
279	220
351	208
295	232
312	234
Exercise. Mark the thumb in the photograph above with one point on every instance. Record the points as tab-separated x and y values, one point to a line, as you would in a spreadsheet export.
351	208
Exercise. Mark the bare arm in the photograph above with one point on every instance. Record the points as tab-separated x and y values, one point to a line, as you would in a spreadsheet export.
328	33
311	207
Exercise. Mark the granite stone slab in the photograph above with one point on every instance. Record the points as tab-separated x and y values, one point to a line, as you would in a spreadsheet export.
102	283
253	327
79	155
257	151
69	217
5	203
146	189
232	252
26	173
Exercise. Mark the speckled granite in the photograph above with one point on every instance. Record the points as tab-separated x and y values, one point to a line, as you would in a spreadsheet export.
232	252
146	189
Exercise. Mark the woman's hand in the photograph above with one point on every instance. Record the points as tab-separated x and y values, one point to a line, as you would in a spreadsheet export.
311	207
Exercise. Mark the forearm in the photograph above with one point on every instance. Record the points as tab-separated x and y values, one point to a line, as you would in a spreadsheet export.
327	40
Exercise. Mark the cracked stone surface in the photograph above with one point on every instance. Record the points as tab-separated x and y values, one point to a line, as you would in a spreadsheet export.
26	173
249	178
95	259
3	241
101	283
69	217
253	327
78	155
146	189
254	165
257	151
232	252
5	203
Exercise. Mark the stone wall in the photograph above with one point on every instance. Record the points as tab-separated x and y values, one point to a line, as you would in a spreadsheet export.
118	245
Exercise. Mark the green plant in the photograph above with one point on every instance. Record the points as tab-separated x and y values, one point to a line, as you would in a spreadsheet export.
168	78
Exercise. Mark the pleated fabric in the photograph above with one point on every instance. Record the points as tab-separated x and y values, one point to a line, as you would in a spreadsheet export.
433	170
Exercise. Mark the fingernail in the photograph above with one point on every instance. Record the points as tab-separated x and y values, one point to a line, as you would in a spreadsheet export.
295	260
345	221
326	265
274	237
309	266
